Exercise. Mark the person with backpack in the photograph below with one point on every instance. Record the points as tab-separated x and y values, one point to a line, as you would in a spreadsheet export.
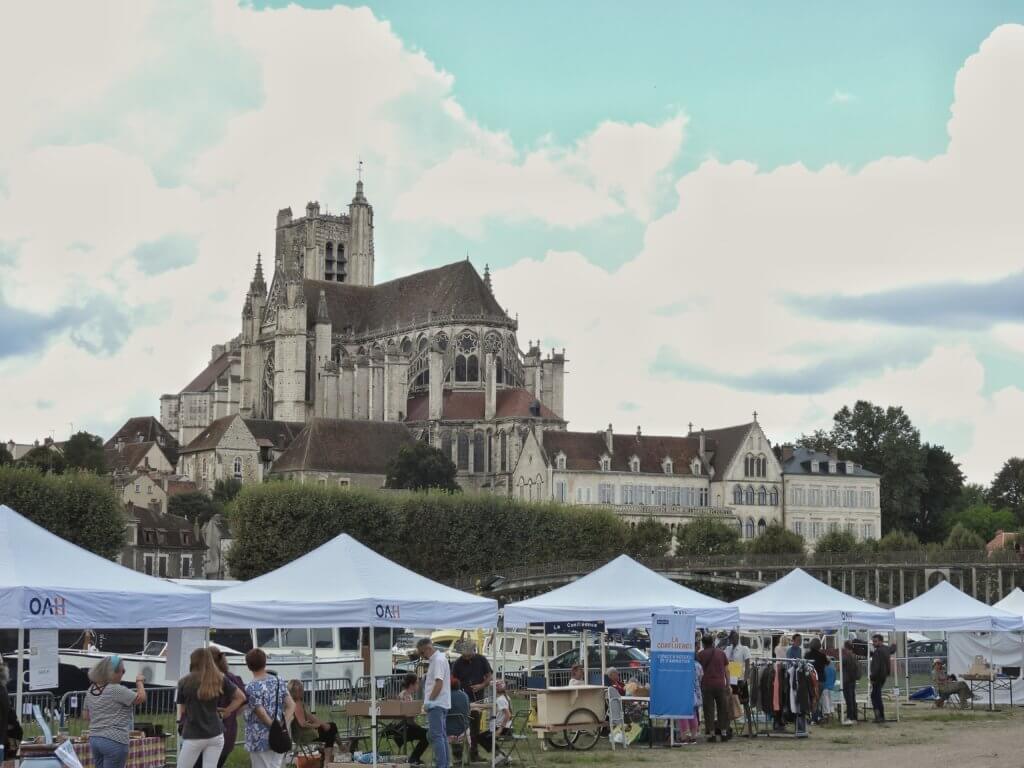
851	674
268	701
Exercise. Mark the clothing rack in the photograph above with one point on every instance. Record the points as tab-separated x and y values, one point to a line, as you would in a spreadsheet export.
773	723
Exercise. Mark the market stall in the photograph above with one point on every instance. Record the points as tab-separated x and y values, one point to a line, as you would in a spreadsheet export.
345	584
990	662
47	583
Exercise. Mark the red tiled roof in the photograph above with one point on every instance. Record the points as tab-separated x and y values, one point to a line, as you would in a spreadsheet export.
469	406
583	450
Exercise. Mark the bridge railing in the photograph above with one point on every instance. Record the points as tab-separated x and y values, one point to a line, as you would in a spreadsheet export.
749	562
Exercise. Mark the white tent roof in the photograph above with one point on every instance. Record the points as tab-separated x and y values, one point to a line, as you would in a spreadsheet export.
1013	602
945	608
345	584
206	585
800	601
49	583
622	593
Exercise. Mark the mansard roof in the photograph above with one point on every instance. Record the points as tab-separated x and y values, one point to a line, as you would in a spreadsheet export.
344	446
145	429
800	464
453	289
583	450
469	406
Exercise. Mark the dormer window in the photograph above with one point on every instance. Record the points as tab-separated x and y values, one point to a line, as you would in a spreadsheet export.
695	467
666	465
560	460
832	467
634	464
606	463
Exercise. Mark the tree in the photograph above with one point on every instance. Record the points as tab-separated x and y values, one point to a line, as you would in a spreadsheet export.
649	538
776	540
944	484
836	543
886	442
1008	488
78	507
5	456
899	541
419	466
818	440
194	506
226	490
971	495
983	521
44	459
962	539
85	451
707	536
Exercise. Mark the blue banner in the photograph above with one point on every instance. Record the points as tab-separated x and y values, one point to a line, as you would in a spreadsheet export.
672	660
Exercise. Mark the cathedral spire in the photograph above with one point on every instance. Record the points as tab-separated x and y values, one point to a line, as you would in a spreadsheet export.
258	286
487	278
360	197
322	316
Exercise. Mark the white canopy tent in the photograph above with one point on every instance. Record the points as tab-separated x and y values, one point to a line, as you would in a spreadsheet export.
1013	602
49	583
622	593
944	608
800	601
345	584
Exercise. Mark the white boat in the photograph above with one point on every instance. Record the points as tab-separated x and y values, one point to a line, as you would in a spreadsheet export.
518	651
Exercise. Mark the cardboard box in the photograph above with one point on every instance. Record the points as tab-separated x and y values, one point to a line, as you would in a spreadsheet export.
386	708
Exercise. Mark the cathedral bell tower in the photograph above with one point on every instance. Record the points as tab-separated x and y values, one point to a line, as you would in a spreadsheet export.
360	261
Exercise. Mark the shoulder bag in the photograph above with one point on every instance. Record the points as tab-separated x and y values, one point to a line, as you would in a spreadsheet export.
280	741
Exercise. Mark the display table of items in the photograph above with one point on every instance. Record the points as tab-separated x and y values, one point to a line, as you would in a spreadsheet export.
989	683
395	712
143	752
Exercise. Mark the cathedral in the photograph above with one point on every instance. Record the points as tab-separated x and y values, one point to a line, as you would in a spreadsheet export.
434	350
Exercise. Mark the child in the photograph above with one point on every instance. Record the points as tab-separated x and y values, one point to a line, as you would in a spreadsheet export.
826	689
689	727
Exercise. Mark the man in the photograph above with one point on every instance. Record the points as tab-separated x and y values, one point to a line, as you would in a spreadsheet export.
475	674
715	691
878	674
818	658
437	699
851	674
796	650
739	664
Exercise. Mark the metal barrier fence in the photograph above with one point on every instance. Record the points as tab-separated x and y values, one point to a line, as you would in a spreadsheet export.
159	708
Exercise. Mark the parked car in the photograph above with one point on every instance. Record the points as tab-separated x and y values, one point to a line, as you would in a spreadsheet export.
935	649
619	656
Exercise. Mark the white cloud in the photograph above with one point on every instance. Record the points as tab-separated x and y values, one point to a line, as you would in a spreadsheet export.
841	97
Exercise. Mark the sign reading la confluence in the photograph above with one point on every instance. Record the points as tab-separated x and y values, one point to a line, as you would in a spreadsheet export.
672	660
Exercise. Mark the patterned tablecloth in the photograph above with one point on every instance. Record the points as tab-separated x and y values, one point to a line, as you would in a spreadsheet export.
144	753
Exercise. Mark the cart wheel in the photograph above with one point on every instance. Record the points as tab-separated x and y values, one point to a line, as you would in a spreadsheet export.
586	731
557	739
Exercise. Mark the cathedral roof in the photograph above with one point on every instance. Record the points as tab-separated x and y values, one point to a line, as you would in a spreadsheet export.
583	450
453	289
344	446
209	375
469	406
145	429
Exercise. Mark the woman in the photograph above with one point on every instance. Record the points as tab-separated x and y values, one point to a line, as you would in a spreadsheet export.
612	680
307	727
268	698
109	707
230	721
576	676
200	724
947	685
410	730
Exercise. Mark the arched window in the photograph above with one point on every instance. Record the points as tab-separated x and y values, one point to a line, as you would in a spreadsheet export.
490	451
473	368
238	468
748	497
737	495
460	368
504	451
406	346
775	497
478	453
606	464
740	524
329	253
634	464
463	452
750	528
499	372
764	466
446	444
422	343
746	466
666	466
762	526
762	496
341	268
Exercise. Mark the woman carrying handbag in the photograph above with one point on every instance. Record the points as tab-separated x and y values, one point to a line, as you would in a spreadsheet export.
266	732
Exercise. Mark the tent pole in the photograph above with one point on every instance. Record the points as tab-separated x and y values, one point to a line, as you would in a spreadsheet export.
373	696
544	653
586	657
21	675
312	705
604	660
991	671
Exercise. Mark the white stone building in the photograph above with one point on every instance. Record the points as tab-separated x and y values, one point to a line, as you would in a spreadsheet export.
824	494
747	477
233	448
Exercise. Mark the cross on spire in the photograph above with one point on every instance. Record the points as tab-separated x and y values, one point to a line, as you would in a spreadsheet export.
755	416
359	169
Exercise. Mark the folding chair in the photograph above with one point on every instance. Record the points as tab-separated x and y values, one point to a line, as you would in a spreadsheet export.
456	725
616	719
518	733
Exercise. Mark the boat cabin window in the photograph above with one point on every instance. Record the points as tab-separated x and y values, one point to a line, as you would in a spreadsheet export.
267	638
381	639
348	639
562	646
510	644
153	648
295	638
324	637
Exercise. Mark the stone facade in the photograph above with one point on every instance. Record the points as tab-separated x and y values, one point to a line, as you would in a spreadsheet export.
211	395
162	545
218	540
233	448
747	478
824	494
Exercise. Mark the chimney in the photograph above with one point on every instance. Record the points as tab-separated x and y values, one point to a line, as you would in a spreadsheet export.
638	435
787	453
702	449
608	440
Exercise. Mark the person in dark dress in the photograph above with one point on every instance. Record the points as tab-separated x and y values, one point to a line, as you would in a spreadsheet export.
474	672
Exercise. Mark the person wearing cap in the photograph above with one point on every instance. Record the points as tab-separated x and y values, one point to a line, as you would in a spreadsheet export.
475	673
109	708
947	685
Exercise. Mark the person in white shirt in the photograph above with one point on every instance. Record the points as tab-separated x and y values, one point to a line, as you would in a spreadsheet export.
739	664
501	723
576	676
437	699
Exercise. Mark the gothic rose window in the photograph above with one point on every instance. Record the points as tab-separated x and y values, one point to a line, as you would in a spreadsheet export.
465	343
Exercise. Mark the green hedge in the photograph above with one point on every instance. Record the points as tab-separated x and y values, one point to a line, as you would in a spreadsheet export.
77	506
436	534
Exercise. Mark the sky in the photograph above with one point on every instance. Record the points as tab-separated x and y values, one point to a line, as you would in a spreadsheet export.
715	208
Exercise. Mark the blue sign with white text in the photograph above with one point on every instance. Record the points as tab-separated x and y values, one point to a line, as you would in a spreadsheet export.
672	660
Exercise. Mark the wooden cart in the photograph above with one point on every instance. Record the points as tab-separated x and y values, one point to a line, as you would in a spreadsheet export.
571	717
